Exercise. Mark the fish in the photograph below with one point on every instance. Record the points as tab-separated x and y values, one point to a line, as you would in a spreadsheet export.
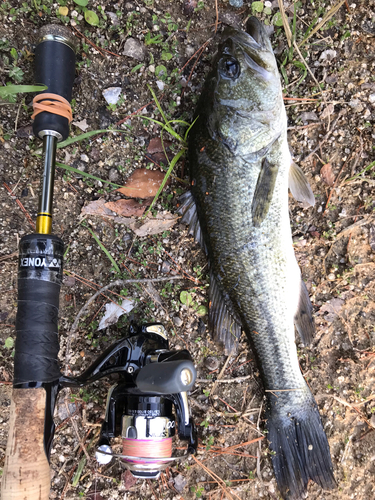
237	209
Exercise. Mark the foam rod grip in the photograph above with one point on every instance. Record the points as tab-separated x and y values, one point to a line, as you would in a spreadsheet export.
26	474
55	67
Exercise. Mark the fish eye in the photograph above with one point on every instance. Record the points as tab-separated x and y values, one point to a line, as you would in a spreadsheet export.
230	68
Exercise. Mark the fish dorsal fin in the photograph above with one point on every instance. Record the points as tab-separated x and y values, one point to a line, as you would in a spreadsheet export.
263	191
299	186
188	210
224	322
303	319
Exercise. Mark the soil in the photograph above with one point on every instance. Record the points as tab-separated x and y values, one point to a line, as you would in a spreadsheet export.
330	127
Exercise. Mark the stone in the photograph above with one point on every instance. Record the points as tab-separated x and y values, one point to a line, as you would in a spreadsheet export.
112	94
134	49
177	321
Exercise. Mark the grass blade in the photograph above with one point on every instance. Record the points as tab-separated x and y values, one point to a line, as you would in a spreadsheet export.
169	171
20	89
85	174
104	249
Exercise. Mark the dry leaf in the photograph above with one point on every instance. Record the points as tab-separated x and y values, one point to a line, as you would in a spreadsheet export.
155	225
126	208
83	125
327	174
128	480
332	307
327	111
143	183
156	146
114	311
97	207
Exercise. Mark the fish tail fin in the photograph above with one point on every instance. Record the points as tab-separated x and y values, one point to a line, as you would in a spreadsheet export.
300	451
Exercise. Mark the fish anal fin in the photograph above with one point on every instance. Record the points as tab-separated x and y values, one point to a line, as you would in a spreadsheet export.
299	186
303	318
188	210
224	323
263	191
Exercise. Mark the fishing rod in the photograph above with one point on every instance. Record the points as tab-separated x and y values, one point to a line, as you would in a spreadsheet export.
150	393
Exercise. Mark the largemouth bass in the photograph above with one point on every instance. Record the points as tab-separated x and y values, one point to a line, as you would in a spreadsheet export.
240	168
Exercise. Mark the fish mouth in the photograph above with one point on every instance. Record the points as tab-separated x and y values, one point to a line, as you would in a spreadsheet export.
255	29
256	47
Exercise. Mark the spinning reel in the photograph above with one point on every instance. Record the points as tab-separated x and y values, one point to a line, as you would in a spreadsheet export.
152	380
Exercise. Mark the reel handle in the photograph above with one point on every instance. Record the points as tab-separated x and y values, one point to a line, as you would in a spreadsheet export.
54	67
169	377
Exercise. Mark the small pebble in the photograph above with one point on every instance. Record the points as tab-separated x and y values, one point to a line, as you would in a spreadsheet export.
177	321
112	94
211	363
331	277
165	267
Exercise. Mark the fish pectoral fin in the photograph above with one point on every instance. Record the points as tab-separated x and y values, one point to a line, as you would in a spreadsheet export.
188	210
299	186
223	321
263	191
303	318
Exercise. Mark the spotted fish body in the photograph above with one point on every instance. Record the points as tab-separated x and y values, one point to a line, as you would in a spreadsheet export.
240	168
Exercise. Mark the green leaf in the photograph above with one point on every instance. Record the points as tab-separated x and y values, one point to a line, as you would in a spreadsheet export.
202	311
81	3
257	7
267	11
136	68
161	69
16	73
9	343
277	19
14	54
17	89
185	298
166	56
91	18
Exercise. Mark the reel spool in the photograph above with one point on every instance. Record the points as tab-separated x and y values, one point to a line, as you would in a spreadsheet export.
145	404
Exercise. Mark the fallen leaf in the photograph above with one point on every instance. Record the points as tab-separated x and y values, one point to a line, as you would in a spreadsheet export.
128	480
143	183
114	311
152	225
155	225
83	125
96	207
156	146
327	174
126	208
327	111
332	307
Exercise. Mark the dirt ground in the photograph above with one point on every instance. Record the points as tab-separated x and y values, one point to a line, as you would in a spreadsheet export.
331	116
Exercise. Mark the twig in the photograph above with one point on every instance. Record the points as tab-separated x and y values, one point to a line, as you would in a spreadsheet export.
214	387
324	138
217	16
335	184
20	205
76	431
100	292
326	18
236	380
218	479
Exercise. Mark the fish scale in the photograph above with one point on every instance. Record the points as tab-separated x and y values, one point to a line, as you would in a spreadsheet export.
240	166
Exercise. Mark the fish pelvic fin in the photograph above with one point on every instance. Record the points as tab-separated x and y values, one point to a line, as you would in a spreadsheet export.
188	210
263	192
299	186
303	318
300	451
223	321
